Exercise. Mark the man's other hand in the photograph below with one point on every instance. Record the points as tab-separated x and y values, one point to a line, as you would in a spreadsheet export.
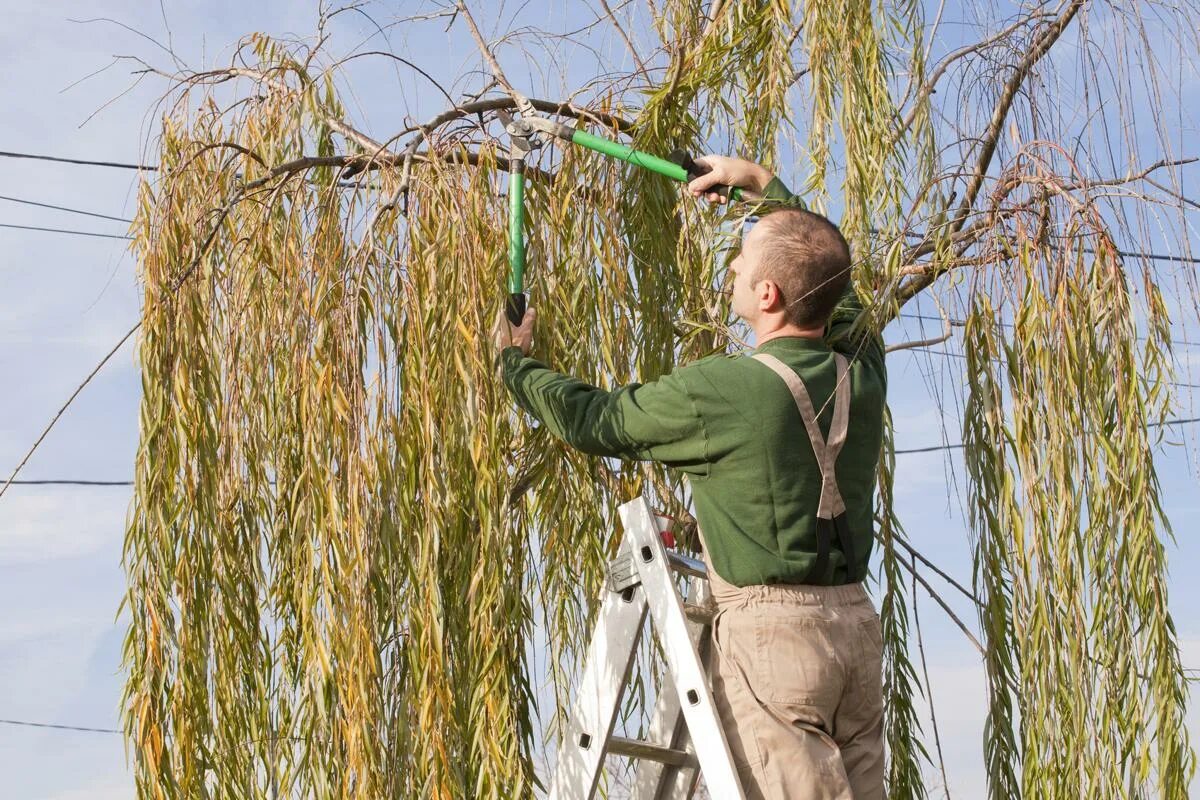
728	172
509	335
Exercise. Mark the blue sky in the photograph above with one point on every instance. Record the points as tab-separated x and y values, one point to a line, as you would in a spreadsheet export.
70	298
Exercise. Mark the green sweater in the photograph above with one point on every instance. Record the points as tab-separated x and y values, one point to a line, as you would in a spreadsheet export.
730	424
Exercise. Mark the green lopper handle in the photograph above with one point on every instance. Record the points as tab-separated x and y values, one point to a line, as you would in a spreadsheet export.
515	307
679	168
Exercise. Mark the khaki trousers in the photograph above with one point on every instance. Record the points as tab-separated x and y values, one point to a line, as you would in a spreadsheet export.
797	679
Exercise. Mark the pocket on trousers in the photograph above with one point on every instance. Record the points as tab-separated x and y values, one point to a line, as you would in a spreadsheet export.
871	635
796	662
870	667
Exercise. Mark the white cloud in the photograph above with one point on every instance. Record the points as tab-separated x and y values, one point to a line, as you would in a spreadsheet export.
47	524
108	789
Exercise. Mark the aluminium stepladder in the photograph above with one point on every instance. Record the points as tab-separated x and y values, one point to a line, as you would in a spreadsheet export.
685	737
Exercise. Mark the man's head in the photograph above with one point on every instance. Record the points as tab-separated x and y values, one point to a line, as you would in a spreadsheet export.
793	267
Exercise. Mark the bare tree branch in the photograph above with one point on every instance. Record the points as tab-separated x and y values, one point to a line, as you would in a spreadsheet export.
628	42
523	104
988	141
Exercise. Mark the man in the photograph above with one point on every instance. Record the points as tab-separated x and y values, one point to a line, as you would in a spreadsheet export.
780	447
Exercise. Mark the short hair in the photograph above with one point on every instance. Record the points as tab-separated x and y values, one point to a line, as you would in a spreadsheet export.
808	259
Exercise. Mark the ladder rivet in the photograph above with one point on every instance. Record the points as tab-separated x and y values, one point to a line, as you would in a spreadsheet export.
692	697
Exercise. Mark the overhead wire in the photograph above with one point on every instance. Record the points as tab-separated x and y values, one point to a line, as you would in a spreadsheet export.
70	482
26	724
949	354
154	168
79	161
901	452
63	208
65	230
959	446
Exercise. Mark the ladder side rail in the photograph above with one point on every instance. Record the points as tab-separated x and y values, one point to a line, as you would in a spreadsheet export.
593	714
666	612
657	781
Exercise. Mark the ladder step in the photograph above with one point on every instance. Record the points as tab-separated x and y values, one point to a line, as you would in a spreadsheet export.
636	748
686	565
701	614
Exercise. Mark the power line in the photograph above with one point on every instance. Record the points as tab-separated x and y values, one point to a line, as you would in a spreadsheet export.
932	449
1152	256
64	230
70	482
63	208
153	168
949	354
958	323
960	445
25	724
84	162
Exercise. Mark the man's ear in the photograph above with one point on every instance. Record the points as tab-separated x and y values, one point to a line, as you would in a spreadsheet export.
769	292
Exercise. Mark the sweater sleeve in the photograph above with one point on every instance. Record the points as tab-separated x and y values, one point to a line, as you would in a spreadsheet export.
856	342
779	194
655	421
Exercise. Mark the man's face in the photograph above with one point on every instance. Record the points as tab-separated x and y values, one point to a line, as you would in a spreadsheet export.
746	300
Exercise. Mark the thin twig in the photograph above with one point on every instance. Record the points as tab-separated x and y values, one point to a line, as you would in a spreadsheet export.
937	597
523	104
912	551
65	405
628	43
930	84
947	333
937	737
1132	177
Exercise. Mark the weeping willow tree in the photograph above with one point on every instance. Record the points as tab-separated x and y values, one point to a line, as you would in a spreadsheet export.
347	550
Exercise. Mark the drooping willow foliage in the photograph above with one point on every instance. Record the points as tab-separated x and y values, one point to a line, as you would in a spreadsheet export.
347	550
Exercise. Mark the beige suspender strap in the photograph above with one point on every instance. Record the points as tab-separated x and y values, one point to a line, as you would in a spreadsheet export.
831	504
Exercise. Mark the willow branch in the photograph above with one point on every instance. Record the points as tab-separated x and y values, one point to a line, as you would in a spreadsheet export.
718	8
938	599
1131	177
990	138
947	332
228	73
358	163
404	61
942	267
937	736
916	554
379	150
335	124
625	38
992	135
523	104
928	87
66	405
505	103
1187	201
